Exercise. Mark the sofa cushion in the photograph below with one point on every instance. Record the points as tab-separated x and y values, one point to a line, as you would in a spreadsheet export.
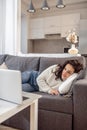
55	103
81	74
51	120
2	58
22	63
3	66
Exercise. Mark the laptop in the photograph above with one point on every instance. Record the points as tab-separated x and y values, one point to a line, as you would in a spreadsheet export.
10	86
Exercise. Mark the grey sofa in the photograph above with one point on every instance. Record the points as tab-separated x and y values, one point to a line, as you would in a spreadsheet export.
55	112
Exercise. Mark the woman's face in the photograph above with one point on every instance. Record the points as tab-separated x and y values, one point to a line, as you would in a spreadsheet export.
67	71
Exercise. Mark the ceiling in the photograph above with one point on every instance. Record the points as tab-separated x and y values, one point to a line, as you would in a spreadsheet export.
38	3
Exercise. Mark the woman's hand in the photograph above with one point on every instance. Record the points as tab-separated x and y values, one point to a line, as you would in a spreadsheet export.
54	92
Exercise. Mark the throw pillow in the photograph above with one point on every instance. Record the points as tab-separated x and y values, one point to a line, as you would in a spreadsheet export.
3	66
66	85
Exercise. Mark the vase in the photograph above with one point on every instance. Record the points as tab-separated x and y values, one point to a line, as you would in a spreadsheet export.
73	50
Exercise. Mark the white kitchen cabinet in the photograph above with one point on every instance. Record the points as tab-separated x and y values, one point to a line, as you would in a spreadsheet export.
67	28
36	29
40	27
69	22
52	25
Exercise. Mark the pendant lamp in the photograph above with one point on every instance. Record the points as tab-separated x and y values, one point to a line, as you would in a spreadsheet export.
60	4
45	5
31	8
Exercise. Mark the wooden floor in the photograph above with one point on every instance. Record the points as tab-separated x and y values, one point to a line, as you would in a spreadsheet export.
2	127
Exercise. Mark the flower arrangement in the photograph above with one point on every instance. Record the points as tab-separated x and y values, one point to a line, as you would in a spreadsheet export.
72	37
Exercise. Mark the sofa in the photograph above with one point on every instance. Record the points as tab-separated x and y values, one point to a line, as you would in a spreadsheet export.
61	112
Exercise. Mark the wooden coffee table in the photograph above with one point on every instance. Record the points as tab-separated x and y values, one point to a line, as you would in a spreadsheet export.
2	127
8	109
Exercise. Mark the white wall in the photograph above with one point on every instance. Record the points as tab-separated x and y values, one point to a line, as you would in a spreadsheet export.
24	28
2	25
83	37
23	34
10	30
9	27
12	45
50	46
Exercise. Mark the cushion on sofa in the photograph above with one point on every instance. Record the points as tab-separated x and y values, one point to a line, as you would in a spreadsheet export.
55	103
2	58
3	66
51	120
22	63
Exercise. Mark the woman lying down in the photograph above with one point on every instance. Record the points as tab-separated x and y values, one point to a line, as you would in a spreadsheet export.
54	80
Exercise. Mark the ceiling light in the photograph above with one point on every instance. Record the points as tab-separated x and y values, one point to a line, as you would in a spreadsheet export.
45	5
60	4
31	7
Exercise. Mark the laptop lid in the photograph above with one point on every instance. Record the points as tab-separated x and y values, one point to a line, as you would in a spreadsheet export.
10	86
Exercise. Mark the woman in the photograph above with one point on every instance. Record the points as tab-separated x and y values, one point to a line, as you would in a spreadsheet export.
51	79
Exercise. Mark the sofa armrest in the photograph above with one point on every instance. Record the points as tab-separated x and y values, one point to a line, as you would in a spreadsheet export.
80	105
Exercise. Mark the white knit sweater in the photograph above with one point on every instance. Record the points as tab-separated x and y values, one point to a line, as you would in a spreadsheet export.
46	80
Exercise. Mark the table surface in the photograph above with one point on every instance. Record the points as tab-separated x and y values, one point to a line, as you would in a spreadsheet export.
8	109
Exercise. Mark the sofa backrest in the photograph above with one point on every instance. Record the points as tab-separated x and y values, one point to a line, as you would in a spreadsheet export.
2	58
35	63
48	61
22	63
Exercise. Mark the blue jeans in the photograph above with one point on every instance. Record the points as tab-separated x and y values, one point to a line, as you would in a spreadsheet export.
29	83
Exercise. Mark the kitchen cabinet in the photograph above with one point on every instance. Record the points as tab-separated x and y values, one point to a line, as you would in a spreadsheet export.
52	25
39	27
67	28
36	29
70	22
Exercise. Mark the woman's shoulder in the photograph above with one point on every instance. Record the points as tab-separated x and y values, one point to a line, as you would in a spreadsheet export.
53	66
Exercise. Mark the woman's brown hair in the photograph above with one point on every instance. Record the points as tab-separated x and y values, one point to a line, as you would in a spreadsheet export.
76	65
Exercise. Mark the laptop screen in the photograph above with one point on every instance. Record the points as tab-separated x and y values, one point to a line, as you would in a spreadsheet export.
10	86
